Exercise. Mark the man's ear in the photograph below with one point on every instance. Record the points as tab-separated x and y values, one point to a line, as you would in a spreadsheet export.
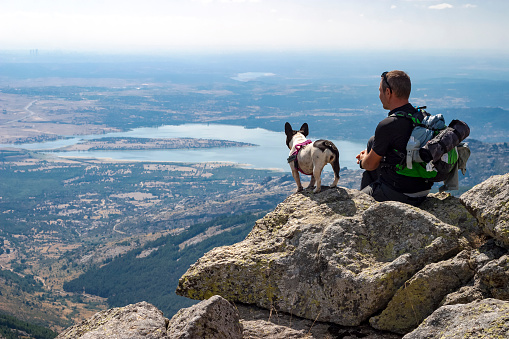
304	129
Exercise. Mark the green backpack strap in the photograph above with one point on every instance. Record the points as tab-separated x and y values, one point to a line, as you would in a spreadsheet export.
416	118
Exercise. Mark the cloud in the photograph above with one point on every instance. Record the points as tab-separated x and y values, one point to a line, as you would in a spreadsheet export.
470	6
441	6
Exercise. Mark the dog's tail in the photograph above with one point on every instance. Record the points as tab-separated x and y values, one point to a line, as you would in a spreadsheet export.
334	159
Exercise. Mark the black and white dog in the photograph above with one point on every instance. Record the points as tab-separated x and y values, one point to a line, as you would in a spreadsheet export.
310	159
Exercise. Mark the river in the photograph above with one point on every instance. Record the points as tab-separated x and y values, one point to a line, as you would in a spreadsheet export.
271	152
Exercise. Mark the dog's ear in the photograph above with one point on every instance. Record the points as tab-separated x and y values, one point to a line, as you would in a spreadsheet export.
288	129
304	129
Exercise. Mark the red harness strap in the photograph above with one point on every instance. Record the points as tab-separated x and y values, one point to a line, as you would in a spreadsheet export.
293	157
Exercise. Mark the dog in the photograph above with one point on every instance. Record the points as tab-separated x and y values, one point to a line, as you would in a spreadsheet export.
310	158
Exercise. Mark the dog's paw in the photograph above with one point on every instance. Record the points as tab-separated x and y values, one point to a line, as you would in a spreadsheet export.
299	189
333	185
317	190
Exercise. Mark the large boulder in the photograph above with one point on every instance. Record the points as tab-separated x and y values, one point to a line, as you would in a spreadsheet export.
141	320
489	203
213	318
486	318
336	256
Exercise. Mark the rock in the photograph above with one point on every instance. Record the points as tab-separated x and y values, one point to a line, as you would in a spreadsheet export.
141	320
494	278
336	256
486	318
450	210
422	294
485	262
213	318
466	294
489	203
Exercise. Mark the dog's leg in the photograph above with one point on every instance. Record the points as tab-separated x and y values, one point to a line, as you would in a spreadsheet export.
296	177
311	182
335	168
335	182
317	172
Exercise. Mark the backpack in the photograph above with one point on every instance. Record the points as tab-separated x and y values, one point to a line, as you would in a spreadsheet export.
434	151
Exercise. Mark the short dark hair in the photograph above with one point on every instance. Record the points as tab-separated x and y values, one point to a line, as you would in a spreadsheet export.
399	82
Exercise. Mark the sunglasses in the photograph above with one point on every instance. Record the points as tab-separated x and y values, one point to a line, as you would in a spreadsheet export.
384	75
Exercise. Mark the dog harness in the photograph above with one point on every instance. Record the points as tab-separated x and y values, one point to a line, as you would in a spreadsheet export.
293	156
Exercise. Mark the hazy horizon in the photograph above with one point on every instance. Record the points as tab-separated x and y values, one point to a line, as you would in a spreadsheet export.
219	26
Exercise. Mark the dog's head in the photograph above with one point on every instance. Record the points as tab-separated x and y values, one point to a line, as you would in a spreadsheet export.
290	133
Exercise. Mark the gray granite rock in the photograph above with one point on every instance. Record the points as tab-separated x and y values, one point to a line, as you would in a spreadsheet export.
486	318
422	294
214	318
489	203
141	320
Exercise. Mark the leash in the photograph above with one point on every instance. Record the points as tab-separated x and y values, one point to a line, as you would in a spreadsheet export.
293	156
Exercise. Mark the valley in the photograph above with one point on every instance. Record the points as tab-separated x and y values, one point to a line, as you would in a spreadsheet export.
62	217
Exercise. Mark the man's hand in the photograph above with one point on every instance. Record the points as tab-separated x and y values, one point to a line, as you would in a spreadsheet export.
360	156
369	161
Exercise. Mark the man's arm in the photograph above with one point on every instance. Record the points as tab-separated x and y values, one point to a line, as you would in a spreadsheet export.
369	161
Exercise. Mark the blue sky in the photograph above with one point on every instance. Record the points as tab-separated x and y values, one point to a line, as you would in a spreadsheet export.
245	25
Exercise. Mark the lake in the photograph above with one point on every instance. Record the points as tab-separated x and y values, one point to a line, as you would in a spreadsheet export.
271	152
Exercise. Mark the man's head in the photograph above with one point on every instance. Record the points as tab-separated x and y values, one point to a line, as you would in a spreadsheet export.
395	87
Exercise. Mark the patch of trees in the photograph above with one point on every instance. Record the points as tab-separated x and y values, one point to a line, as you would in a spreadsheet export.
129	279
24	283
13	328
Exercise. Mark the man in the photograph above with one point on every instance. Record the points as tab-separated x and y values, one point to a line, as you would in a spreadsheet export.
380	158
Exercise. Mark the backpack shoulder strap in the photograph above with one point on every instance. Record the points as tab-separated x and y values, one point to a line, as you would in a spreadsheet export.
416	118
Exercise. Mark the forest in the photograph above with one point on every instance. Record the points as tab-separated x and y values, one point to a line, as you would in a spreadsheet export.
13	328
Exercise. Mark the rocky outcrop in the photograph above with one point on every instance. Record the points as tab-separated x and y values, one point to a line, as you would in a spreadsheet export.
337	257
337	263
340	257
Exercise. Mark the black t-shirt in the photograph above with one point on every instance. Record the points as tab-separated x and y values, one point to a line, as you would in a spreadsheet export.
393	133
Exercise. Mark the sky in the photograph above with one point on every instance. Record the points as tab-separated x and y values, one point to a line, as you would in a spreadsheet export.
148	26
